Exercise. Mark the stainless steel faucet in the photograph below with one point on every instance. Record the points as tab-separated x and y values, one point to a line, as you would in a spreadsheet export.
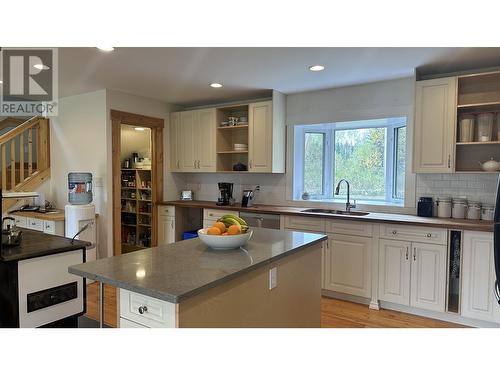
348	204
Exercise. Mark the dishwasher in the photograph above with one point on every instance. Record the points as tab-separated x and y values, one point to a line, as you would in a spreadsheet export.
261	220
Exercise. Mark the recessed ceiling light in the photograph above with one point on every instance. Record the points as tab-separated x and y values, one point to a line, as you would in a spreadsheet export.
41	67
316	68
1	81
106	49
216	85
140	129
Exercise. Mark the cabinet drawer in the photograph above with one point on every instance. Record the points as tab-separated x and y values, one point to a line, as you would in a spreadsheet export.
157	313
49	227
211	214
304	223
21	221
413	233
125	323
356	228
35	224
166	211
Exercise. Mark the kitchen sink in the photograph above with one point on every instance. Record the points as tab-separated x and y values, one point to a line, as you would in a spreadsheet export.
335	212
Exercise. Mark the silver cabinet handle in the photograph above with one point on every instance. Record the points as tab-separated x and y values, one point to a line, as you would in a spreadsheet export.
449	161
172	224
143	309
250	164
394	232
407	252
194	164
429	235
198	164
178	164
414	253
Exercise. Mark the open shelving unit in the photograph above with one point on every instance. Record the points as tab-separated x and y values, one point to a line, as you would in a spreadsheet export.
228	135
477	93
136	209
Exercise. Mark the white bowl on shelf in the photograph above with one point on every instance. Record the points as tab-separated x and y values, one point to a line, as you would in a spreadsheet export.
218	242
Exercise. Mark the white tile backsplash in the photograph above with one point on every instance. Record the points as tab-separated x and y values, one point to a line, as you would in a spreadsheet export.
474	186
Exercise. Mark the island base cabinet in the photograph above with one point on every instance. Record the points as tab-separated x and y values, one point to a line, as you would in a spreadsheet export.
478	278
247	301
348	265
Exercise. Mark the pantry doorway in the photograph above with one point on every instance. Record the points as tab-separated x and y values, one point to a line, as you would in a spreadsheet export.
137	153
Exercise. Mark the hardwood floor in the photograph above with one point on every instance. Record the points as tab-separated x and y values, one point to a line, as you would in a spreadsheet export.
334	313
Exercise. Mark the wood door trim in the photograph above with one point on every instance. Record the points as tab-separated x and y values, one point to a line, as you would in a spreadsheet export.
156	125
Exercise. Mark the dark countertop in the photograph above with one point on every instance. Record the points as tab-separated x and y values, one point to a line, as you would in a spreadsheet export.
35	244
463	224
183	269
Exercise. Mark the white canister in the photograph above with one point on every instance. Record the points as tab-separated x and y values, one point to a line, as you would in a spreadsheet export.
466	128
474	211
487	212
444	207
459	208
484	126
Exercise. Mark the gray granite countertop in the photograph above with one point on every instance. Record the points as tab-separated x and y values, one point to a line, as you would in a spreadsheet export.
183	269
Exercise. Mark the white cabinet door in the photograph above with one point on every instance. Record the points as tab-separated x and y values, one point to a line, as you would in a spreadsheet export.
428	276
478	277
185	141
348	265
394	271
174	128
166	230
204	140
435	114
260	131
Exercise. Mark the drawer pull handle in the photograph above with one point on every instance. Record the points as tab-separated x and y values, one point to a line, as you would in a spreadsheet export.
407	251
394	232
429	235
143	309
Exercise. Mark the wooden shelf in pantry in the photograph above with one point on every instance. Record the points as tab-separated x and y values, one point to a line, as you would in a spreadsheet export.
128	212
129	225
233	152
232	127
145	213
128	199
478	143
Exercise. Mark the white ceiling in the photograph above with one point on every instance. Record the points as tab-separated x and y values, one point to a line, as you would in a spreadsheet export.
182	75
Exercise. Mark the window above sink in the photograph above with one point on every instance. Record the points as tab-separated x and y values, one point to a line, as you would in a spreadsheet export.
371	154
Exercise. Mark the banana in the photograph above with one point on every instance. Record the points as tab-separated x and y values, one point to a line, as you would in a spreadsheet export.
234	217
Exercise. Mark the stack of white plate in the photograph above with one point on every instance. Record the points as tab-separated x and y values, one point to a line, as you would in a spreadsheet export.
240	147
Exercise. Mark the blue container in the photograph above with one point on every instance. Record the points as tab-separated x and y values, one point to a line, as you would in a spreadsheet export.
190	234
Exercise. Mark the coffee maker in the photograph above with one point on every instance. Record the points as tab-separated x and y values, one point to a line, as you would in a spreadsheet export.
225	194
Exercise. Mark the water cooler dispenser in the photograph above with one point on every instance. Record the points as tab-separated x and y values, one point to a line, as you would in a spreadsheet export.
80	212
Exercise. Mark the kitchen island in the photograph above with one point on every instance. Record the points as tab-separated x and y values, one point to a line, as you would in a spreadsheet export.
272	281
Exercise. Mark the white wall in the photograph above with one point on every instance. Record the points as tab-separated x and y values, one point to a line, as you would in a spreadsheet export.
78	143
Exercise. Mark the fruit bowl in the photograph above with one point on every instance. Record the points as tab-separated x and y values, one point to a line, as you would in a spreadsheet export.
224	242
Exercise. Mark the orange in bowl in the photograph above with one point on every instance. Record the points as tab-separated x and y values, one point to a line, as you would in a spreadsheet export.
234	229
221	226
214	231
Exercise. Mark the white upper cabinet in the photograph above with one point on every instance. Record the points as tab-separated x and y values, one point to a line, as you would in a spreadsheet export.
260	123
193	141
435	119
185	141
478	298
204	140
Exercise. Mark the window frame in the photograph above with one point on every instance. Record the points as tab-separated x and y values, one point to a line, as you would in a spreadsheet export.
329	130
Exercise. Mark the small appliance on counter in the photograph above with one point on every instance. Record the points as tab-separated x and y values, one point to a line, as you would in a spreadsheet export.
11	236
248	195
187	195
225	194
424	207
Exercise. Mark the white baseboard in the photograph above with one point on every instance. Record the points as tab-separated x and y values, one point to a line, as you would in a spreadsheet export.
345	297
